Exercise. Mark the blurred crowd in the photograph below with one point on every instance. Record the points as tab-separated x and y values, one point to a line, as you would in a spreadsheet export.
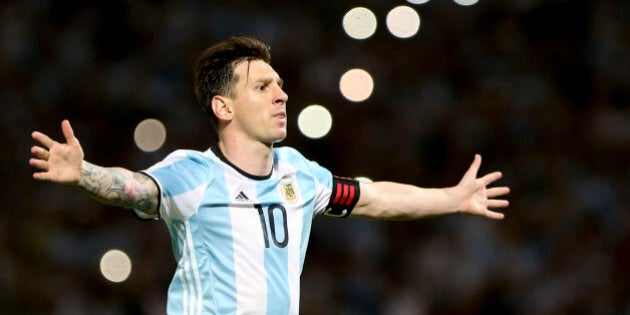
540	88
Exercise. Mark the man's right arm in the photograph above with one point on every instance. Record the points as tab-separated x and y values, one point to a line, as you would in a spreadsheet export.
64	163
120	187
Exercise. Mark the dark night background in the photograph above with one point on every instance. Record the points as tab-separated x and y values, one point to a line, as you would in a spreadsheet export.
539	88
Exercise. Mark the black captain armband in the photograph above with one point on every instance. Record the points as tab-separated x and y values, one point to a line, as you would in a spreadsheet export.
344	196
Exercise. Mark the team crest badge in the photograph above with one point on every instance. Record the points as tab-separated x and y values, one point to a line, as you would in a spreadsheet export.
288	189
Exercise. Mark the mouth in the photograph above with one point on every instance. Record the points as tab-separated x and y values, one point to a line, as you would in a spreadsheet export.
281	115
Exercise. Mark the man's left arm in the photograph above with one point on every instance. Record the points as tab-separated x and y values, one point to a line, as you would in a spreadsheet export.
394	201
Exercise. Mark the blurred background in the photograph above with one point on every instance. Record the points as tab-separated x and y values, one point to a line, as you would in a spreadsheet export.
540	88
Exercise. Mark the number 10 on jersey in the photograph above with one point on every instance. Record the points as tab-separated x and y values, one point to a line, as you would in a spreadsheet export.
276	215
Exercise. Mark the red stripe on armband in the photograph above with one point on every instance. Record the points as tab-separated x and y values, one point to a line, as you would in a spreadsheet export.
345	194
338	195
351	196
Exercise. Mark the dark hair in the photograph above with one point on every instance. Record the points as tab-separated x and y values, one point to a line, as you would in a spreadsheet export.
214	71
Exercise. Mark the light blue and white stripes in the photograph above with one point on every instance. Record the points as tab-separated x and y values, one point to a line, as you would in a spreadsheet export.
239	241
188	272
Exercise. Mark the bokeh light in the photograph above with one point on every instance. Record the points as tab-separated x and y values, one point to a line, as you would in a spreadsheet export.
466	2
356	85
115	265
403	22
359	23
150	135
315	121
418	1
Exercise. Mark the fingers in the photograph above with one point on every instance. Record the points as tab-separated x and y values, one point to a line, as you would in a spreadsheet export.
474	167
41	158
47	142
40	161
471	173
52	159
68	133
494	215
490	178
497	191
43	139
40	164
488	193
41	176
40	153
497	203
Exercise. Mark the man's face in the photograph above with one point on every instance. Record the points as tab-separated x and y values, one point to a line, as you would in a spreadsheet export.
260	103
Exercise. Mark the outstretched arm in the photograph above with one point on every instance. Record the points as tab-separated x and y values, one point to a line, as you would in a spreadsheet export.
387	200
64	163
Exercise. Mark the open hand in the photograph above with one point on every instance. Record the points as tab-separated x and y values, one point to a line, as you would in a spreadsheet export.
57	162
477	198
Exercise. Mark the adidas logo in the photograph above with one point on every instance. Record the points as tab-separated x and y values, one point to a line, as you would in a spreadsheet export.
241	197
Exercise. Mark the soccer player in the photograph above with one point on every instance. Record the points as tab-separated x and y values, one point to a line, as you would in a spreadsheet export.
239	214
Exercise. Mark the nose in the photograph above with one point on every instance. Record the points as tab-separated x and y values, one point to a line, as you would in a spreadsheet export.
281	96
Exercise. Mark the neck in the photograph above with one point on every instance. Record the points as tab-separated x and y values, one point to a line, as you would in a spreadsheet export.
253	158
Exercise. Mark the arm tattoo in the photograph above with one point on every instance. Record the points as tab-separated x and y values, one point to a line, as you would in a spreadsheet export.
119	187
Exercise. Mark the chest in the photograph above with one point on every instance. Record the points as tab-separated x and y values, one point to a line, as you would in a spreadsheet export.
271	214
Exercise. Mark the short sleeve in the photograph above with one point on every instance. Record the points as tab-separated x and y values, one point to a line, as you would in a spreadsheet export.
182	178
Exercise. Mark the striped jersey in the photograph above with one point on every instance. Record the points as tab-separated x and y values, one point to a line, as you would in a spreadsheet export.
239	240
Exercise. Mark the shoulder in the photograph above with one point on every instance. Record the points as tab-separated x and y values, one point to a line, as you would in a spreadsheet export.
293	157
290	155
186	157
183	170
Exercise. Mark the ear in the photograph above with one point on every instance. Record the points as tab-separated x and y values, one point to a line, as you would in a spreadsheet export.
222	107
